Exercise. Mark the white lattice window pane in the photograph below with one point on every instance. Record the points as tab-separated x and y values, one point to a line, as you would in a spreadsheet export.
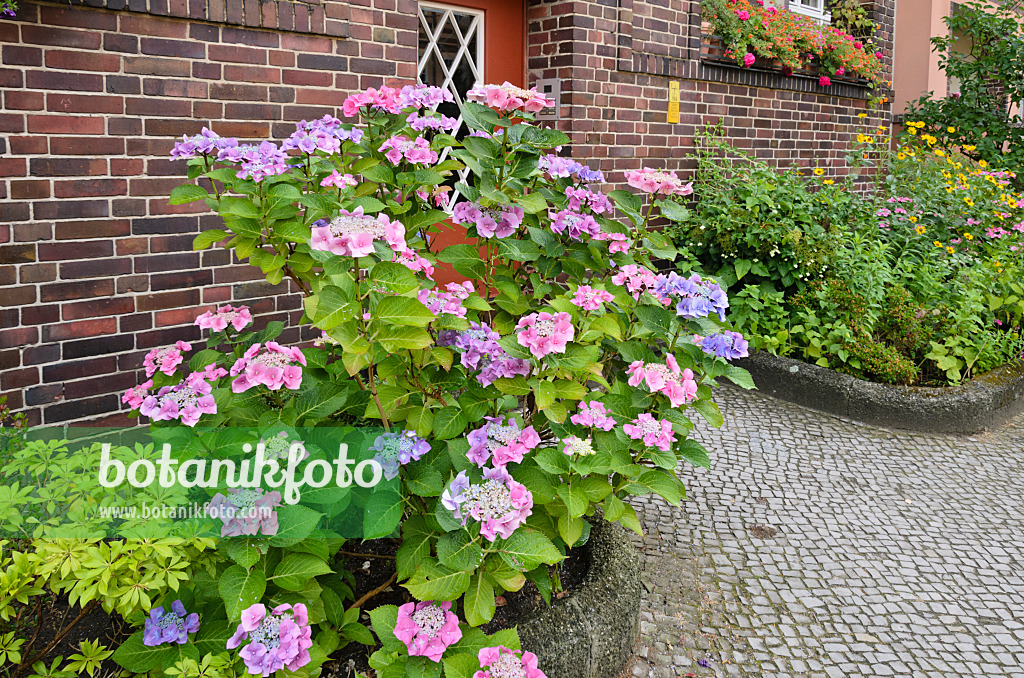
451	55
815	9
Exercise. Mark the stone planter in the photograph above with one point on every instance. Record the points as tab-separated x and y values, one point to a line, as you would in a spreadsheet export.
986	401
591	632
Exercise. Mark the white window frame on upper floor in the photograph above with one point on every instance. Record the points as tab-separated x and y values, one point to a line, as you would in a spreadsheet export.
816	9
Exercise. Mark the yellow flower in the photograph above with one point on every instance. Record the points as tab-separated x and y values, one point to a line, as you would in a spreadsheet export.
900	156
912	130
968	236
828	182
921	230
950	250
818	171
969	202
970	148
862	115
937	243
939	152
951	129
982	163
912	220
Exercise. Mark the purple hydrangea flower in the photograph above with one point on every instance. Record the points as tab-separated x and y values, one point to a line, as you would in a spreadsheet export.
728	345
246	511
479	350
499	504
694	296
204	143
394	450
559	167
169	627
279	640
500	443
256	162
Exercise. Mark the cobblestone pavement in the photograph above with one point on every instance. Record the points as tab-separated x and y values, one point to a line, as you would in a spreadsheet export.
819	547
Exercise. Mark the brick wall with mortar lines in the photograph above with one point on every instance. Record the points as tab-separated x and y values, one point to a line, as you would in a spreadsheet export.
96	267
615	58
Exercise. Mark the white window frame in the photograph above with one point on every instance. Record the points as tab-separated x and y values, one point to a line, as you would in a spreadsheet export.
818	13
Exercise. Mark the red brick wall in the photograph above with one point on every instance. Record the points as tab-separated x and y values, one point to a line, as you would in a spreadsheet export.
615	60
96	267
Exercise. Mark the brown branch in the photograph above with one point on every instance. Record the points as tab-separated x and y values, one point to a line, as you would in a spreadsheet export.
59	637
365	555
371	594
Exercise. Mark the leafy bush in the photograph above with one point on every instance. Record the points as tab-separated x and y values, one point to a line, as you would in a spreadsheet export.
917	284
554	384
983	120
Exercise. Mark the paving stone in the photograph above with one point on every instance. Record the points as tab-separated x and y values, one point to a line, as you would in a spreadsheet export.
893	553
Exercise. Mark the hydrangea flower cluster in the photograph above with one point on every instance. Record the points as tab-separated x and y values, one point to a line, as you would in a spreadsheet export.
449	302
651	431
490	222
386	99
414	262
246	511
558	167
544	333
617	242
427	628
423	96
275	367
133	397
187	401
352	234
395	450
478	349
501	662
581	197
165	360
695	297
500	443
678	385
169	627
635	278
574	224
279	447
728	345
279	640
508	97
338	180
499	504
204	143
590	299
328	126
417	151
658	182
238	317
257	162
578	447
437	123
593	415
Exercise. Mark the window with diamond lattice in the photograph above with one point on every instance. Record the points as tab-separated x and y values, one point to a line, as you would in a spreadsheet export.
451	56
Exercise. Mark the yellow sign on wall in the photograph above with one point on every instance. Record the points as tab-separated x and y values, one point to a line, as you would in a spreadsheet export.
673	101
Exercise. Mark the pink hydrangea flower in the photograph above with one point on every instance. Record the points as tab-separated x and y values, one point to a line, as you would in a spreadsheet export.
593	415
246	511
678	385
337	180
218	321
824	81
636	279
449	302
414	262
581	197
500	443
748	60
416	151
133	397
544	333
508	97
427	628
490	222
499	504
617	242
385	99
501	662
275	367
279	640
574	224
165	360
657	182
590	299
577	447
187	401
352	234
651	431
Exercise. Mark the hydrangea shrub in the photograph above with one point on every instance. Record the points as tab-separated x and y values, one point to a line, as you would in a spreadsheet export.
557	381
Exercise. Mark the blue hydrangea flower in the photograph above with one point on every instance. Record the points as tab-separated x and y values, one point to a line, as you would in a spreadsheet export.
169	627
